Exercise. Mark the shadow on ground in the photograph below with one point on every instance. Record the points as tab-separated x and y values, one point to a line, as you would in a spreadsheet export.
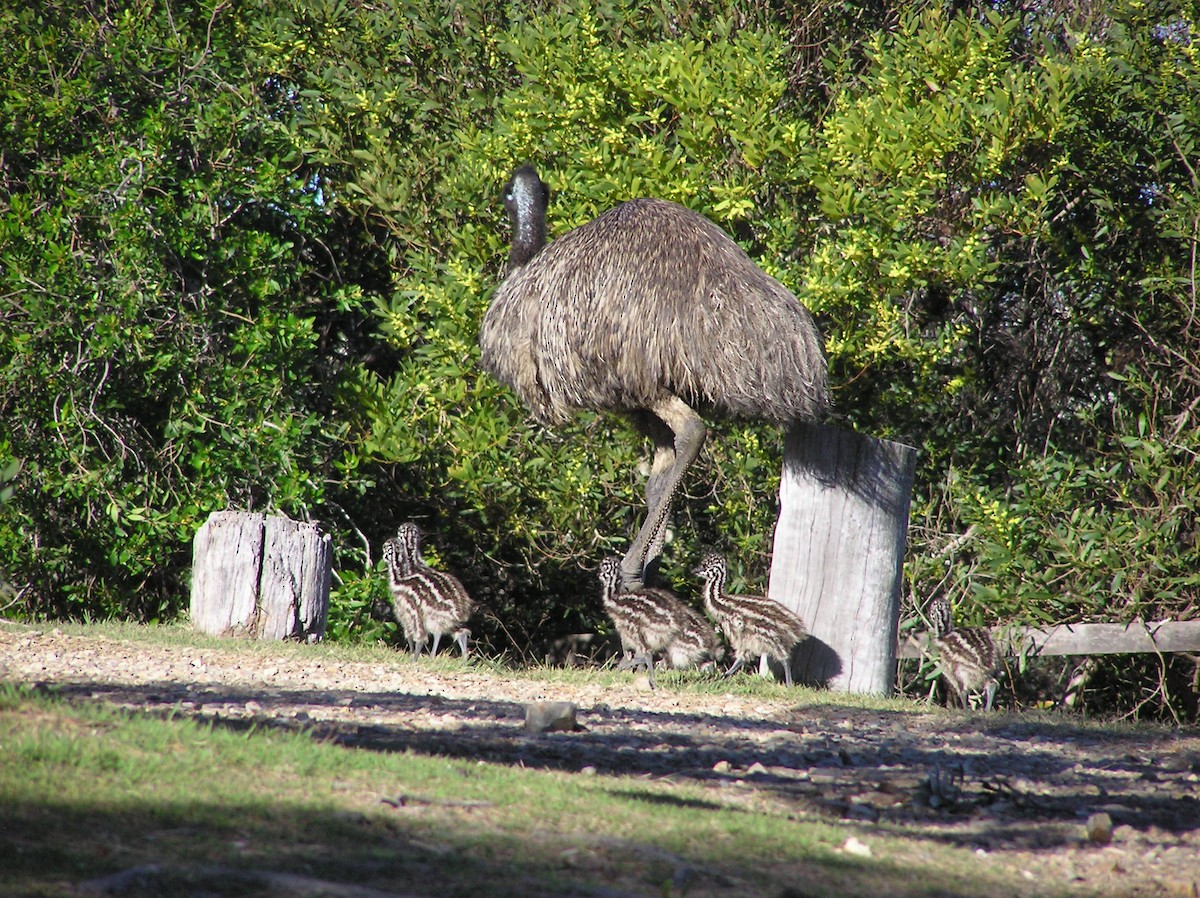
998	782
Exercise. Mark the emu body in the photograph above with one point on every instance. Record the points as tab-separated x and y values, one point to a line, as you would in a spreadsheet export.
753	625
646	619
696	643
651	311
433	602
968	656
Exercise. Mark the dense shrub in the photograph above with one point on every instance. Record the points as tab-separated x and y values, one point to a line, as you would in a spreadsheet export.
245	254
173	320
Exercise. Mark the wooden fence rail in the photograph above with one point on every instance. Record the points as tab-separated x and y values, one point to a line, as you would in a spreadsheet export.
1083	639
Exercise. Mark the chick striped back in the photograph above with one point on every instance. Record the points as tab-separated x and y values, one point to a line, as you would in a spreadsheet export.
968	656
443	602
696	643
753	625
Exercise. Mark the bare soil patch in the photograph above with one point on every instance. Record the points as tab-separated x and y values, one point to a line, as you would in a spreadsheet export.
1019	790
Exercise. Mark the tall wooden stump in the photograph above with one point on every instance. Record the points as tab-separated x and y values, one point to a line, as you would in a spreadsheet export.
839	553
265	577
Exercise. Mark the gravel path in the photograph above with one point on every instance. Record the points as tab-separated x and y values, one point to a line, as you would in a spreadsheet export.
1018	789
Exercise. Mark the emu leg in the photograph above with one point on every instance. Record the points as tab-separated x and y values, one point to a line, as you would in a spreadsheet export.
664	459
637	660
989	692
737	665
461	637
671	462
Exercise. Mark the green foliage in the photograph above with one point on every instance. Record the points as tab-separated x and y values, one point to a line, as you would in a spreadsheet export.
9	470
168	307
1009	284
937	159
360	607
1104	536
245	254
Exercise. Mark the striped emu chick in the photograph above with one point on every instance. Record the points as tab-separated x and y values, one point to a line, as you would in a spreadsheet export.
404	599
753	625
647	619
443	603
696	644
968	657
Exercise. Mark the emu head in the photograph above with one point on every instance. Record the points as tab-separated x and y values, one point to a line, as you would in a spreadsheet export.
941	621
610	574
711	567
392	554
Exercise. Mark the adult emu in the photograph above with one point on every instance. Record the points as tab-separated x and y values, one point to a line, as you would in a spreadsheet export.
652	311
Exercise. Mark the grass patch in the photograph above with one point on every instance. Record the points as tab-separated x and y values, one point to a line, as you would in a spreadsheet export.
88	790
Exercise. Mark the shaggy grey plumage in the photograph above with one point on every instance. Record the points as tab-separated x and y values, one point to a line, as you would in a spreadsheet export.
968	657
440	602
653	311
753	625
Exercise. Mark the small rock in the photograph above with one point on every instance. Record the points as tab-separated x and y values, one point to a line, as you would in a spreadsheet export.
722	767
754	768
548	717
1099	828
855	847
589	770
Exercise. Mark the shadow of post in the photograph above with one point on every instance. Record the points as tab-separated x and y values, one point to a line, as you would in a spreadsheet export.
815	662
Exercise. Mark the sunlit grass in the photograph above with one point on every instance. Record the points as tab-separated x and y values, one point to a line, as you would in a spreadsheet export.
70	773
88	790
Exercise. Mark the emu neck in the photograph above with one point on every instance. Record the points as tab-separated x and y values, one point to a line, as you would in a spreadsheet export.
712	589
529	229
394	572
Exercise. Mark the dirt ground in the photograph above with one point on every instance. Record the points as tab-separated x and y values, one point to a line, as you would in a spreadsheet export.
1031	792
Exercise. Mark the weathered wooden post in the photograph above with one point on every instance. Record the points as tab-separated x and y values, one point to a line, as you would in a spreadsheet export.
258	576
839	553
